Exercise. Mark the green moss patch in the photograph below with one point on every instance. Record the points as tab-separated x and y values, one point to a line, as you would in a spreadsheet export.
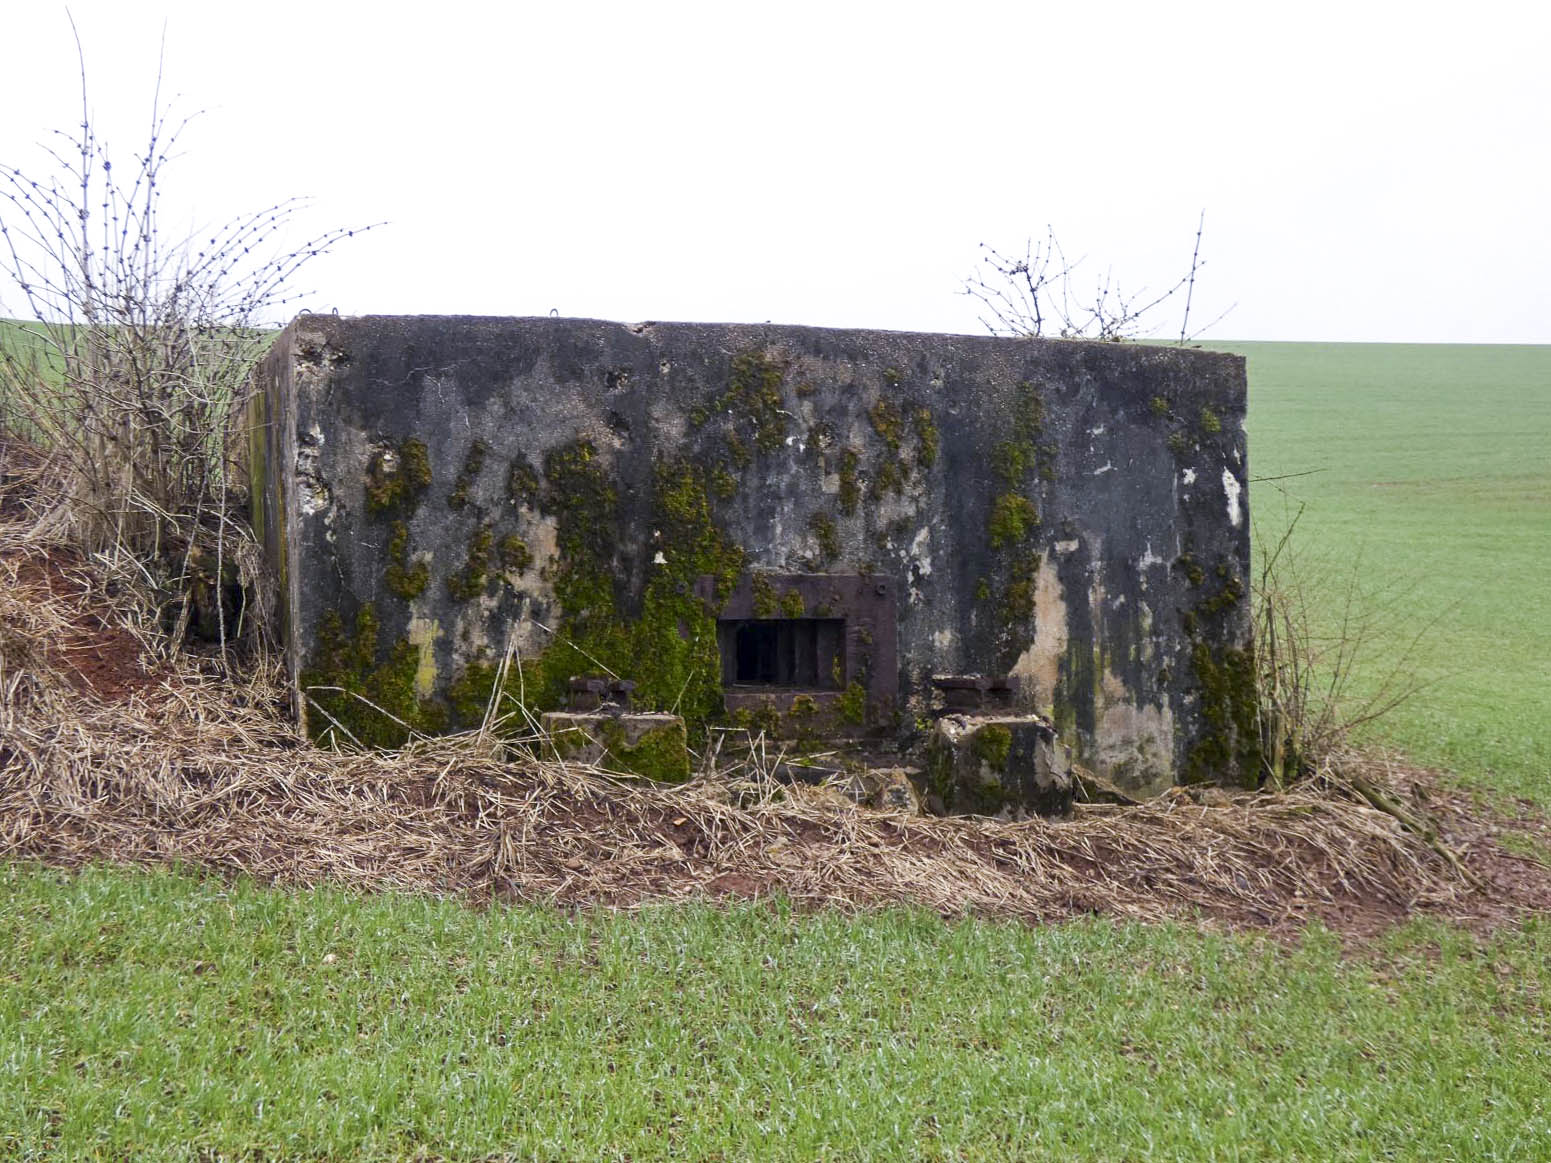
822	526
396	477
754	405
406	580
659	753
467	476
469	582
852	704
522	484
355	698
765	602
666	640
1013	517
515	555
1230	742
928	439
887	423
850	480
992	745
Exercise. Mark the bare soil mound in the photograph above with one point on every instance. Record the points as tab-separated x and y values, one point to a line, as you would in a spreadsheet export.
104	756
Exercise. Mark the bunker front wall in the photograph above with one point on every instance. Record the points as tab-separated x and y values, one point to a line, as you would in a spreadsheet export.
446	499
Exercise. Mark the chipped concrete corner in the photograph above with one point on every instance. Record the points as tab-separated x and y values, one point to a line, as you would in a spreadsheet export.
797	523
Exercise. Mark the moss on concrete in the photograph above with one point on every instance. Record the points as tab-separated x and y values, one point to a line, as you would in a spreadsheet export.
754	395
850	481
469	582
822	526
582	497
765	602
354	698
1011	460
396	477
1230	742
1018	596
887	423
975	795
1187	565
514	554
522	484
468	695
792	604
406	580
1228	745
852	704
1228	596
666	641
463	485
659	753
1013	517
992	745
928	439
889	478
1018	463
724	486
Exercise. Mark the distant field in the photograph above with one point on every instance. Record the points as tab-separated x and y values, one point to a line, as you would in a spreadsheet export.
1430	470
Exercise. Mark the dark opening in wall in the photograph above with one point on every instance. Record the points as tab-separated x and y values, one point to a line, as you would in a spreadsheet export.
787	652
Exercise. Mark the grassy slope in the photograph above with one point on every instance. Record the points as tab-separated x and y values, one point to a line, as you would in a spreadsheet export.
1434	474
152	1015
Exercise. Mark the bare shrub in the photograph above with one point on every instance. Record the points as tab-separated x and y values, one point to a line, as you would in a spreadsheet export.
1332	654
131	371
1039	294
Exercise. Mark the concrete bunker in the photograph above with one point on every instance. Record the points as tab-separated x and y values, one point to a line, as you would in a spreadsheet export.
814	532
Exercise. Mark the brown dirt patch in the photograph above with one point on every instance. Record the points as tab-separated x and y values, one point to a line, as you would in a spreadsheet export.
100	657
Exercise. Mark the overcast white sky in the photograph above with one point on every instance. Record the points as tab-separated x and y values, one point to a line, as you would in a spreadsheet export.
1369	171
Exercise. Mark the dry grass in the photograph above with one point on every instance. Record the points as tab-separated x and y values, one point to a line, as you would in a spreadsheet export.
180	767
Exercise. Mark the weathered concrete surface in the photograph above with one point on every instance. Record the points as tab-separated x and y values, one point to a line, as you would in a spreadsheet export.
434	491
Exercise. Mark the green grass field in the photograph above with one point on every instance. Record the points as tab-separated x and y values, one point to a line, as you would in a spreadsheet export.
1430	474
162	1016
156	1016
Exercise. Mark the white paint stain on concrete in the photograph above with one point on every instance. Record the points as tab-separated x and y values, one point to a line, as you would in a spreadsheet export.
1231	486
920	551
1039	666
1188	476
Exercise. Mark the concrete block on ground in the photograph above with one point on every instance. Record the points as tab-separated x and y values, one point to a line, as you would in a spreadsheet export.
653	745
1007	765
